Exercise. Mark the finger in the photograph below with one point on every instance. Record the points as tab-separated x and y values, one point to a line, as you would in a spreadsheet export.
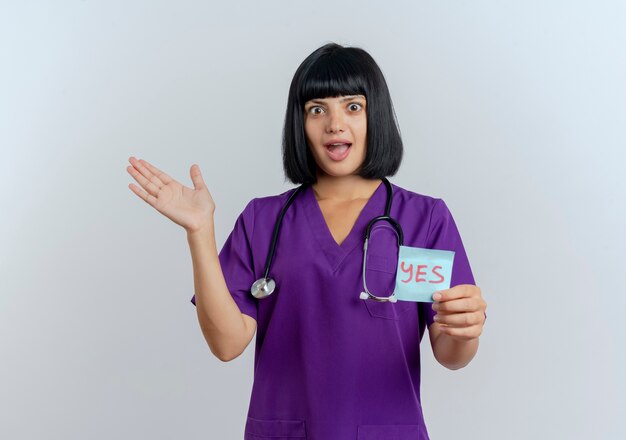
458	291
471	332
196	177
158	183
458	319
148	198
456	305
145	183
164	177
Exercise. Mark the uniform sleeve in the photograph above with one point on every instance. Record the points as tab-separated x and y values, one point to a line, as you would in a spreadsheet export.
444	235
237	262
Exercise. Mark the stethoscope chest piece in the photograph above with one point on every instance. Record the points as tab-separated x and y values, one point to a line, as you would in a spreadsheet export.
263	287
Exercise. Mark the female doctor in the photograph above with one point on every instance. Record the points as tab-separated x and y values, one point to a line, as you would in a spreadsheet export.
329	364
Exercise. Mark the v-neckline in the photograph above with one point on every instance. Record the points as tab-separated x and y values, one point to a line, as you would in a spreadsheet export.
334	252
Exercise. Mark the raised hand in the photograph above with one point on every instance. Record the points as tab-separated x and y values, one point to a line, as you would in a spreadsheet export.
191	208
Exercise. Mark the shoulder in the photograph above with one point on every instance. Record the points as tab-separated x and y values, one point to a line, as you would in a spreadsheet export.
418	207
414	200
261	212
265	204
440	228
264	207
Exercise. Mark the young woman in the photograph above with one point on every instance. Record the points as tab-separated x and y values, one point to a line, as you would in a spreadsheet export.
328	364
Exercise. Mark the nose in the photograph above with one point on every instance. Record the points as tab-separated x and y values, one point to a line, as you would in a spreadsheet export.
335	121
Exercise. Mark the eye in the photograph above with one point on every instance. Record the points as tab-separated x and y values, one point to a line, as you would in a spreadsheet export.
311	110
355	104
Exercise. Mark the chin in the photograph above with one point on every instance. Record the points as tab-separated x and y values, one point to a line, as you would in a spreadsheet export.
339	171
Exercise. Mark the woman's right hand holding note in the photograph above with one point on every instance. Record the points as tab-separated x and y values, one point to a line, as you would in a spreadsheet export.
191	208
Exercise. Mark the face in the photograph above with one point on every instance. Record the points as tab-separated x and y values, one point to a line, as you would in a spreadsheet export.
337	120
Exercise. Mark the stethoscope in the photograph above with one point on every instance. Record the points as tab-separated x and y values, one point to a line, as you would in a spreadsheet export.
264	286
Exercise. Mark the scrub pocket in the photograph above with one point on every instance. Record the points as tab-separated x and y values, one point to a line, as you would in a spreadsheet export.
257	429
381	278
389	432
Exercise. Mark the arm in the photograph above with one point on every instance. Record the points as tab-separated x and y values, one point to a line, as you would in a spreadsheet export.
226	330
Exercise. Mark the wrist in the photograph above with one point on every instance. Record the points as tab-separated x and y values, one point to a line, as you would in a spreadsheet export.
208	227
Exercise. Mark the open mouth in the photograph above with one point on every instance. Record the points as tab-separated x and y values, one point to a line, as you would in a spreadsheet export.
338	151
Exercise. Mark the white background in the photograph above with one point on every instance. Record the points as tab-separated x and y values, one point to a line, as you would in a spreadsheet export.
513	112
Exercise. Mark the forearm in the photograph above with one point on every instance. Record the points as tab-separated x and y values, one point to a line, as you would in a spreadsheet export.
453	353
219	316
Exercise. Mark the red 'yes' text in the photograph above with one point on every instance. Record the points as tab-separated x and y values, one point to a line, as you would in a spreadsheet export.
418	272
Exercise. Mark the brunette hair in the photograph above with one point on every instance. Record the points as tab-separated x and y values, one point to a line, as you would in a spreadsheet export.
330	71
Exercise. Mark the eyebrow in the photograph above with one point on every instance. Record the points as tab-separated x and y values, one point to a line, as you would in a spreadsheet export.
347	98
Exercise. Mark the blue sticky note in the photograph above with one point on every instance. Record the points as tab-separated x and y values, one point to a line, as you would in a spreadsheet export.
421	272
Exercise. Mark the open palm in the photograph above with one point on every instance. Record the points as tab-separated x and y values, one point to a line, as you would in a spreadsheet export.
191	208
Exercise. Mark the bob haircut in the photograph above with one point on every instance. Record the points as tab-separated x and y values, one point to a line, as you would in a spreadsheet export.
331	71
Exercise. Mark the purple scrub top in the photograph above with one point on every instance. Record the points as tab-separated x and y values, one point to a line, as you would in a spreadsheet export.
327	364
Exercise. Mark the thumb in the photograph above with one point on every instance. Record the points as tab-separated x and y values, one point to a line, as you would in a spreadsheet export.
196	177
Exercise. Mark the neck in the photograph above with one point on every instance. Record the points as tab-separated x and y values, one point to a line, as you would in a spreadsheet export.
344	188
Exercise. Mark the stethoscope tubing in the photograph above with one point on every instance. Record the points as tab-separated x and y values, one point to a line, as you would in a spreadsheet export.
279	221
264	286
